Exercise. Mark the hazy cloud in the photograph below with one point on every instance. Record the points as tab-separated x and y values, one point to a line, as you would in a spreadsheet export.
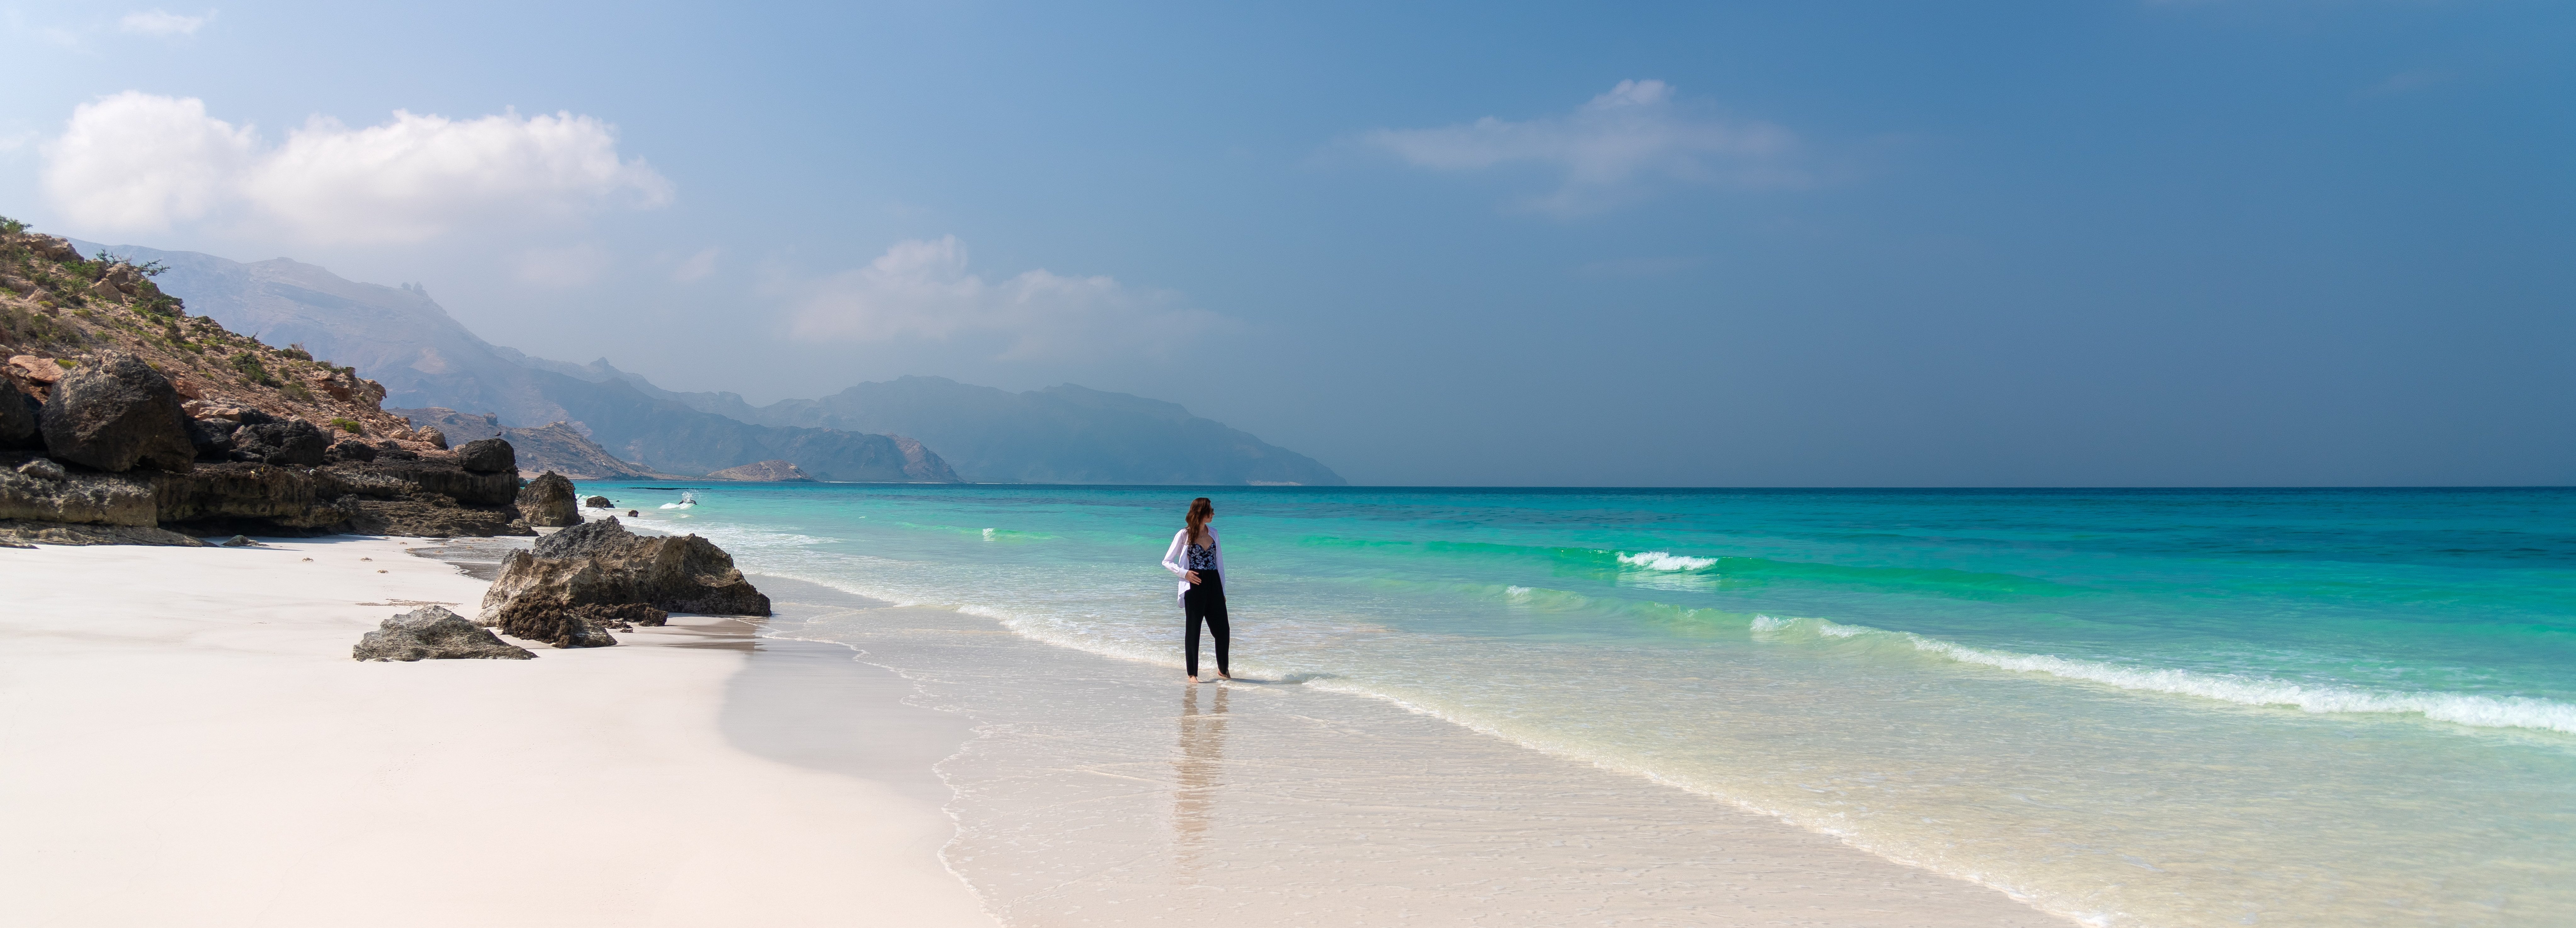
922	289
570	266
162	22
139	162
1610	150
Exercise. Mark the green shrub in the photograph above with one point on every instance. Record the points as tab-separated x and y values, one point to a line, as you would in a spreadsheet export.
253	371
350	426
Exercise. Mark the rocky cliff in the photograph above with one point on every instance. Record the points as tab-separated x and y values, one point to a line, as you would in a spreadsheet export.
123	419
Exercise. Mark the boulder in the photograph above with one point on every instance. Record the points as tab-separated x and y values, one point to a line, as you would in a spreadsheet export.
597	502
21	418
240	541
351	450
604	564
434	437
547	501
285	443
488	456
116	413
43	469
213	437
433	633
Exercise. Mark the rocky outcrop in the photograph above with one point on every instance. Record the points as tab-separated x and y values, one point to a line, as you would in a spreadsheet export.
18	533
488	456
773	471
286	443
547	501
433	633
39	490
601	563
597	502
116	413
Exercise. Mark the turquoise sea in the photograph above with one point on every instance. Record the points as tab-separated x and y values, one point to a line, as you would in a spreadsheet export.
2127	707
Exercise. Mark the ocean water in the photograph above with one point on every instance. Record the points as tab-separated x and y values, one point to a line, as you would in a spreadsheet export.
2124	707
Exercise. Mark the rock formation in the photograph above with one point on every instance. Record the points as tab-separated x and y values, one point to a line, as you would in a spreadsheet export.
597	502
124	420
773	471
601	563
487	456
116	413
547	501
433	633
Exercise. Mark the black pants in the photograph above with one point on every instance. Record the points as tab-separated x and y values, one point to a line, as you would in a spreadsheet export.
1205	600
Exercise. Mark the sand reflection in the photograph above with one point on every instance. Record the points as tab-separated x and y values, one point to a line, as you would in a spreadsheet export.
1196	778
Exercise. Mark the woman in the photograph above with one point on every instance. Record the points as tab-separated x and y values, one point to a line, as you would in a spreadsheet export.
1196	556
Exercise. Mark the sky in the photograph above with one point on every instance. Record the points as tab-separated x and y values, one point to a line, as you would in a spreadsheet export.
2216	242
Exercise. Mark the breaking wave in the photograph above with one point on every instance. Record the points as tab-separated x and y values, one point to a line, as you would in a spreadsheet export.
2457	708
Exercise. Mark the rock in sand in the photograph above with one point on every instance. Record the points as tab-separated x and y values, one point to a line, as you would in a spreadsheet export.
601	563
433	633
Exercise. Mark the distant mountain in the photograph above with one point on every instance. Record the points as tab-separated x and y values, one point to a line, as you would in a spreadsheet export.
400	338
1062	434
403	339
557	447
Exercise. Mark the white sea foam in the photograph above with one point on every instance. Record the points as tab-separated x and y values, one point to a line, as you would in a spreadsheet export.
2458	708
1666	560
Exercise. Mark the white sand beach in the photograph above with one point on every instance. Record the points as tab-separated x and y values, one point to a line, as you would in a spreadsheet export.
184	740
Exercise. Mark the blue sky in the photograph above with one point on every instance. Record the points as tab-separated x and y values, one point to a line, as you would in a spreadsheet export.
2146	243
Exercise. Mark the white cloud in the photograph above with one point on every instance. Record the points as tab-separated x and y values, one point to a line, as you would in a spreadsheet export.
1610	150
136	161
922	289
161	22
141	162
696	267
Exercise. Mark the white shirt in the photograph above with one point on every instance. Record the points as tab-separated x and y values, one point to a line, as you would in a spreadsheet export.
1177	560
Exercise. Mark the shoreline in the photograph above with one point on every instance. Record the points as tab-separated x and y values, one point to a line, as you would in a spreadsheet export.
1160	820
189	742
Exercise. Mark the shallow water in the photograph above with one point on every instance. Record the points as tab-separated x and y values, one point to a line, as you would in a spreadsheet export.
2130	707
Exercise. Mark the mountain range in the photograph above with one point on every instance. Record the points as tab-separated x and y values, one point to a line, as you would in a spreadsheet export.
908	429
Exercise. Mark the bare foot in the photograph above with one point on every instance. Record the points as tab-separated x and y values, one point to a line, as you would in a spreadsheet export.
1224	676
1194	678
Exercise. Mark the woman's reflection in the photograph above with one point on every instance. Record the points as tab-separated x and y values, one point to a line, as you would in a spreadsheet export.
1195	776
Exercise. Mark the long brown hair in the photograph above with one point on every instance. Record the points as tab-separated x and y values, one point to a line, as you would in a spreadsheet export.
1200	512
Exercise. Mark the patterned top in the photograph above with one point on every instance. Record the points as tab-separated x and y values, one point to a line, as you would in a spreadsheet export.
1202	557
